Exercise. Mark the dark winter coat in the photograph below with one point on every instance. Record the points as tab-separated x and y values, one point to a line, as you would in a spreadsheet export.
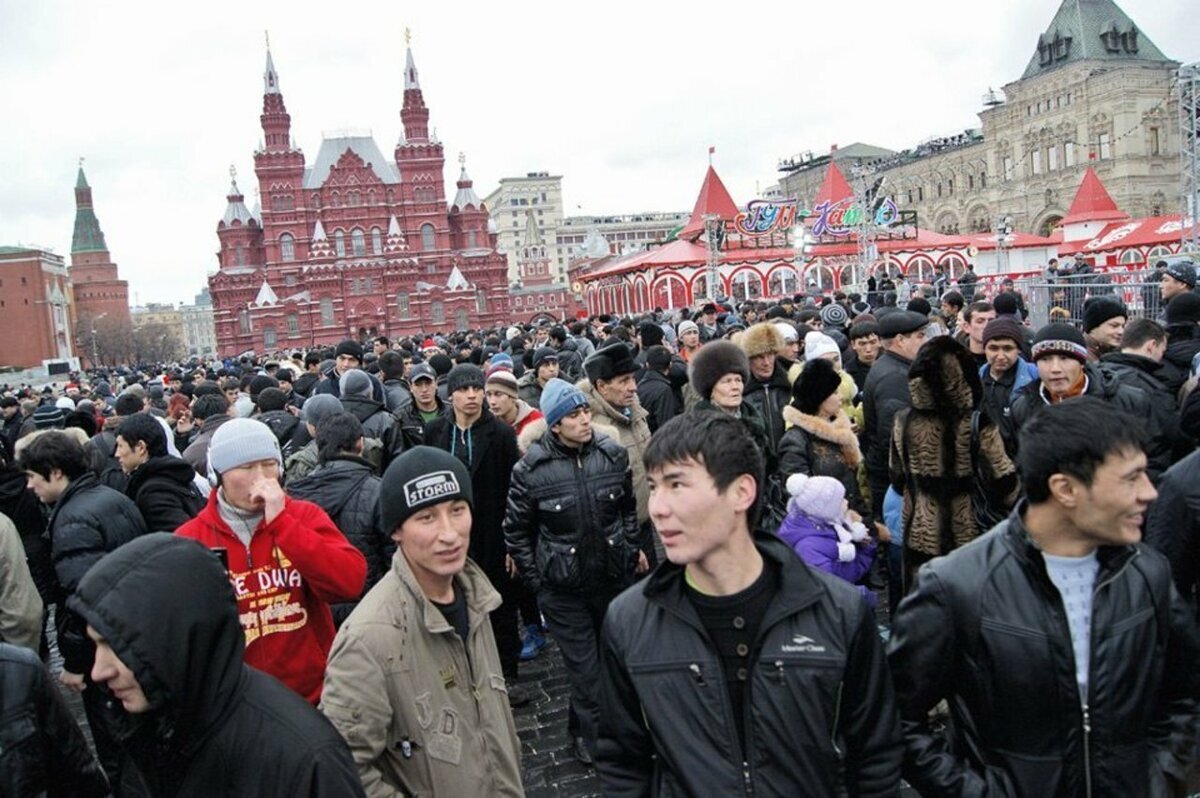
377	423
330	384
347	489
984	629
931	462
42	749
21	505
1183	344
396	396
658	397
102	457
570	364
884	395
1173	525
88	521
282	423
219	727
753	422
1169	443
529	389
998	396
489	449
571	523
818	694
163	491
1102	385
769	398
819	447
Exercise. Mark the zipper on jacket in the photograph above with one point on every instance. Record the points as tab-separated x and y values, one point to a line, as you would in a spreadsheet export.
837	719
1087	746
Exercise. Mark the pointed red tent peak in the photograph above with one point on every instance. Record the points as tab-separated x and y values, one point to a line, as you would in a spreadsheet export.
714	198
1092	203
834	187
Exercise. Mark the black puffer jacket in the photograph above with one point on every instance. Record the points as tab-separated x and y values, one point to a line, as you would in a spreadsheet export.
347	489
817	694
1183	344
42	750
985	628
217	727
571	523
88	521
658	397
769	398
163	491
819	447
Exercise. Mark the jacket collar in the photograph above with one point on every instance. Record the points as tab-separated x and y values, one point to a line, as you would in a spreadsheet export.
1111	558
481	597
601	406
798	588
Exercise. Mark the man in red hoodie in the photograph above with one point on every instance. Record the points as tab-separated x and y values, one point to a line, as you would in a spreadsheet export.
287	561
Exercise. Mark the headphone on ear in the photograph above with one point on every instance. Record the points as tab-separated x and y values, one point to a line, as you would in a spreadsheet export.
214	478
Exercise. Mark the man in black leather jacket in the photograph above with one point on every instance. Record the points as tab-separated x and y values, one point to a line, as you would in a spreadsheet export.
734	668
572	532
1069	661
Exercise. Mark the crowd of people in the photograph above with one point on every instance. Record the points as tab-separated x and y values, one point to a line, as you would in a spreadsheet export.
810	546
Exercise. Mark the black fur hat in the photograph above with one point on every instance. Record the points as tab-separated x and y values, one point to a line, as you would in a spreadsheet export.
609	362
712	362
942	378
816	383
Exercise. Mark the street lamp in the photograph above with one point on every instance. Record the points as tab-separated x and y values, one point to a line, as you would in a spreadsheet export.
1004	239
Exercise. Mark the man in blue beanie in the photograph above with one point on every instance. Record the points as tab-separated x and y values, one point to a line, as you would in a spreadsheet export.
572	532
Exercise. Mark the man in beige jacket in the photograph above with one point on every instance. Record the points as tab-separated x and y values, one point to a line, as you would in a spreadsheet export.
414	681
20	604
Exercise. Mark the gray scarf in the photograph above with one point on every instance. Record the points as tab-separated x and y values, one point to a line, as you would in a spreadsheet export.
242	522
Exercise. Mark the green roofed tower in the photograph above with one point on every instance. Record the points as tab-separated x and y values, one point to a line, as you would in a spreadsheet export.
1090	30
98	290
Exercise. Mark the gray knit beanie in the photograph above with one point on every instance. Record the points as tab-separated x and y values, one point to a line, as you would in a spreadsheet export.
355	383
240	441
318	408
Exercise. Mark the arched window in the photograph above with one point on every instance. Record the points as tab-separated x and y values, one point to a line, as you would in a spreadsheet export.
287	247
481	301
352	198
427	240
782	283
359	242
402	304
376	241
239	255
438	312
326	310
293	322
471	239
339	244
269	341
1131	256
244	322
461	319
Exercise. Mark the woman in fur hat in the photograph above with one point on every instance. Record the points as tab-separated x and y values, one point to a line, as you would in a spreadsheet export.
718	373
820	440
933	458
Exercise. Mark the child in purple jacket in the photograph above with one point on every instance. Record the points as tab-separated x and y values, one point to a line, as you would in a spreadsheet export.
822	531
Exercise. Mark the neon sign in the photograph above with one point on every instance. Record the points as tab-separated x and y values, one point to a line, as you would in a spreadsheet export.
839	219
766	216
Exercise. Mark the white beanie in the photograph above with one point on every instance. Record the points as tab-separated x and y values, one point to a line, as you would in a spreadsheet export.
788	331
686	326
817	344
65	402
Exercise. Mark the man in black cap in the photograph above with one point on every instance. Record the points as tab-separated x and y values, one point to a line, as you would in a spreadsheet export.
488	448
1061	356
1179	278
707	322
544	367
426	404
1103	323
1005	375
611	389
902	333
348	355
1183	338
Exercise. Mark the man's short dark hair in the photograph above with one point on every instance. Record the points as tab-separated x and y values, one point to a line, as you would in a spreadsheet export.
383	339
230	384
715	440
51	450
209	405
391	365
271	399
144	428
863	329
312	359
338	434
558	333
129	404
953	299
978	307
1140	332
1073	438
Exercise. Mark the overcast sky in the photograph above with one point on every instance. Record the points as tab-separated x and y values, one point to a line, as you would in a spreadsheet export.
621	98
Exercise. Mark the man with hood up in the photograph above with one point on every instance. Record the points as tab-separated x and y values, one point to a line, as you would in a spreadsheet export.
191	718
376	421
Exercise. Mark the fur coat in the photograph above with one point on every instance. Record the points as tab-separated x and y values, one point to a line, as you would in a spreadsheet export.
821	447
931	462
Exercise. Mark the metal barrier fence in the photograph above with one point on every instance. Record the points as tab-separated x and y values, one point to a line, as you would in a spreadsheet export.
1048	299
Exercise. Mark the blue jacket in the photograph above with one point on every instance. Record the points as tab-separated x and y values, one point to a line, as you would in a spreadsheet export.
1026	373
